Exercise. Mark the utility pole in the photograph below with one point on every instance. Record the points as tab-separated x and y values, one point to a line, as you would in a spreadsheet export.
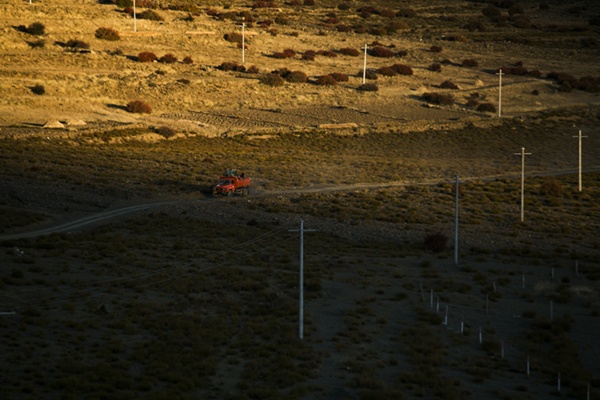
243	43
522	154
134	18
365	65
301	284
500	73
456	223
579	136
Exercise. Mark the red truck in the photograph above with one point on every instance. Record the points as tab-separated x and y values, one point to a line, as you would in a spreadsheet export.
231	183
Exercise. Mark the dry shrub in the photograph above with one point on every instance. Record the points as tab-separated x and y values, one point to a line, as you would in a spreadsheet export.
470	63
327	53
473	100
343	28
435	67
271	80
516	70
343	6
296	77
438	98
35	29
263	4
253	69
107	34
402	69
326	80
139	107
371	74
233	37
168	59
522	22
339	77
146	56
231	66
309	55
378	30
38	89
347	51
184	81
166	132
435	49
486	107
456	38
386	71
406	13
77	44
309	3
379	51
551	187
448	84
436	242
480	26
37	43
150	15
387	13
368	87
331	21
395	26
188	60
287	53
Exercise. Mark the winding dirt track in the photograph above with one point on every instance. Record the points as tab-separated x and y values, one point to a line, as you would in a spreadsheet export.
111	214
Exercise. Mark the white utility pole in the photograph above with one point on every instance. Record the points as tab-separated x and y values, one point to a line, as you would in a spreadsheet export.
456	223
500	73
243	43
365	65
579	136
134	18
301	284
522	154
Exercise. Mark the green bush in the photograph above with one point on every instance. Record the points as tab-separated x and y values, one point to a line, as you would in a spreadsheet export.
107	34
139	107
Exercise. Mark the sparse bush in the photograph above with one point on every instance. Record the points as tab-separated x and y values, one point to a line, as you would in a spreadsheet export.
123	3
486	107
368	87
436	242
188	60
309	55
470	63
327	53
435	67
166	131
150	15
309	2
371	74
387	13
339	77
522	22
77	44
448	84
168	59
406	13
231	66
379	51
146	56
473	100
347	51
253	69
34	44
402	69
386	71
296	77
438	98
36	29
395	26
139	107
271	80
435	49
107	34
551	187
343	28
38	89
326	80
185	81
343	6
233	37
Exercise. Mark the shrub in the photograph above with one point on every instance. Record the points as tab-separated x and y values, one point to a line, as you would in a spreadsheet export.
296	77
150	15
371	74
36	29
327	53
386	71
406	13
435	49
387	13
470	63
37	43
436	242
486	107
188	60
309	55
146	56
522	22
233	37
347	51
253	69
395	26
38	89
77	44
326	80
107	34
339	77
231	66
368	87
343	6
552	187
139	107
271	80
379	51
473	100
435	67
447	84
343	28
438	98
309	2
402	69
185	81
168	59
123	3
166	131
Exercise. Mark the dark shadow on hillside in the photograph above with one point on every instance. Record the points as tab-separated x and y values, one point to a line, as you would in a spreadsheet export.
117	106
